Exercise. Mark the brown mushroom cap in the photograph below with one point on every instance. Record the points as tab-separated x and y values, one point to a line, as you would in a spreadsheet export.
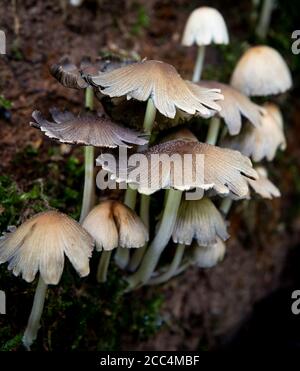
71	76
263	186
199	220
39	245
87	129
113	224
205	26
261	71
157	80
209	256
262	141
222	169
233	107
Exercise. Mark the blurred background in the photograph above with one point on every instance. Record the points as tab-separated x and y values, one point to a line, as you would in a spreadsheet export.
243	302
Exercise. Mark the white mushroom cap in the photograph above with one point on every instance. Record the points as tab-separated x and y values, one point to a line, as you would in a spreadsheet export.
261	71
199	220
209	256
159	81
263	186
39	245
113	224
262	141
205	26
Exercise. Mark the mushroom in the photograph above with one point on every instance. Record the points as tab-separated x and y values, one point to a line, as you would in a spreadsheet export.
112	224
234	106
156	82
204	26
87	129
164	90
199	220
39	245
265	18
196	220
261	71
209	256
223	170
262	141
263	186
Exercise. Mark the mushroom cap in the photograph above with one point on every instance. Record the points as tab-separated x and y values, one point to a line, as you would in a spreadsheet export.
199	220
262	141
39	245
209	256
205	166
87	129
261	71
234	106
205	26
113	224
157	80
263	186
75	77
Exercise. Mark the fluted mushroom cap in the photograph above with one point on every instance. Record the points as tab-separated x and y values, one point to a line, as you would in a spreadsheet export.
209	256
113	224
262	141
261	71
234	106
205	26
39	245
208	166
86	129
157	80
180	134
263	186
199	220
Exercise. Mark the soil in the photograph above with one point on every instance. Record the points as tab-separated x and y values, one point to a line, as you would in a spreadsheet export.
203	309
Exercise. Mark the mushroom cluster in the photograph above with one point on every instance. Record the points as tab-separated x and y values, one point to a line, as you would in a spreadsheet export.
197	178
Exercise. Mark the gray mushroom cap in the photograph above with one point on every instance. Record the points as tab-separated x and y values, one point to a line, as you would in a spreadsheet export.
86	129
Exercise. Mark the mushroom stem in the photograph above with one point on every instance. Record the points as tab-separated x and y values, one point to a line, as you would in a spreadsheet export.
139	253
213	130
264	19
33	324
122	255
149	116
159	242
173	267
199	63
226	205
103	266
89	156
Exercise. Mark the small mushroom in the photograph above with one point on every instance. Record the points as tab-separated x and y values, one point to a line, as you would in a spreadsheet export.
262	141
209	256
112	224
234	106
261	71
40	245
204	26
199	220
263	186
87	129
